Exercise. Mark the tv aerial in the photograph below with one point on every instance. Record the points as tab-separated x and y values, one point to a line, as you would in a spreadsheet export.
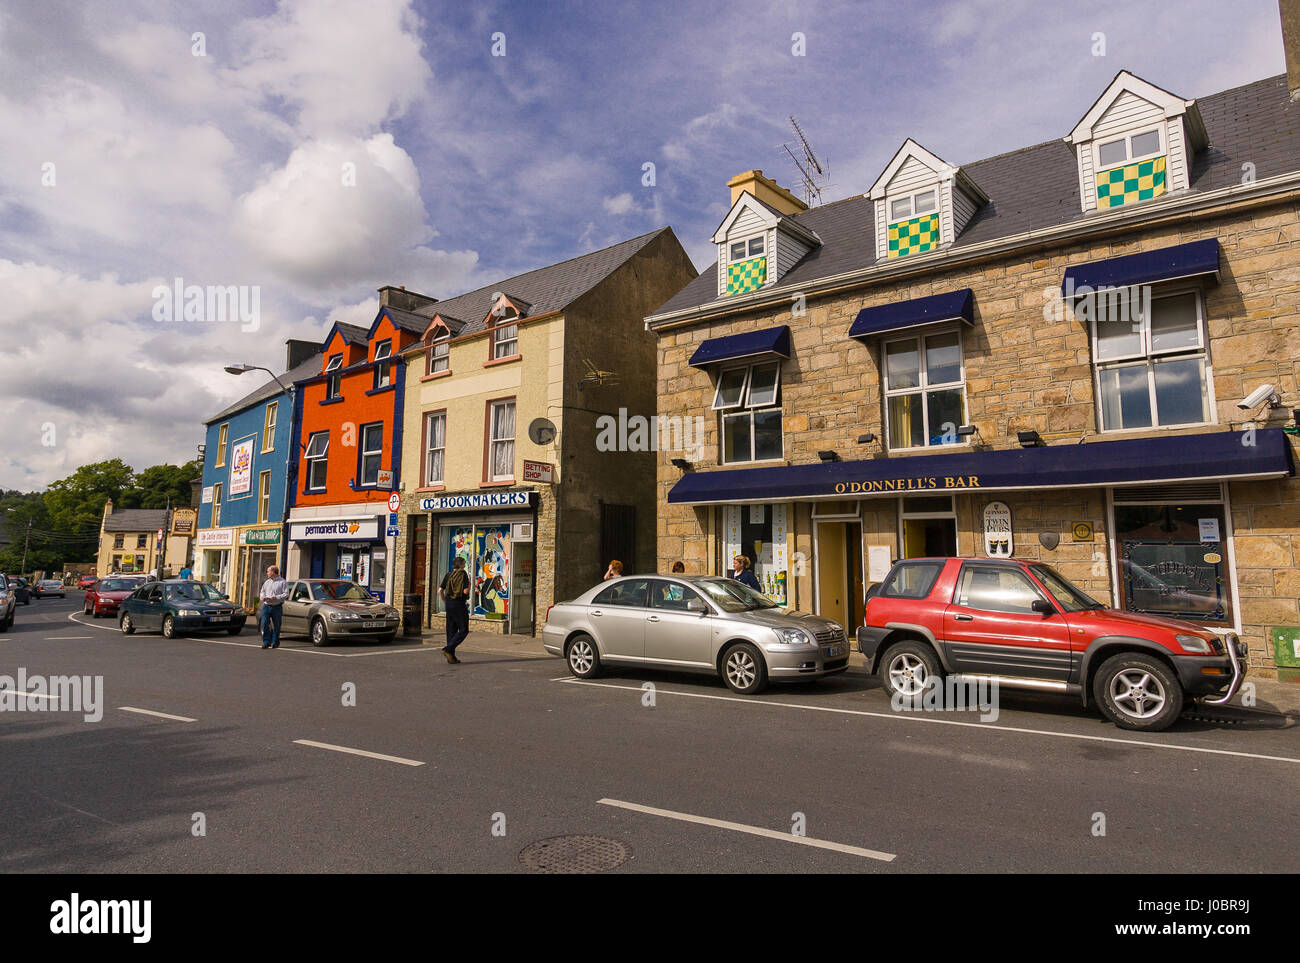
813	173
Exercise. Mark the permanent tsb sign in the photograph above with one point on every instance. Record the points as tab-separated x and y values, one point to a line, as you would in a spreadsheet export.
335	529
1254	454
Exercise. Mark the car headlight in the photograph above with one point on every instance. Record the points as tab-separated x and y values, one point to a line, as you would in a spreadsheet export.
344	616
188	613
792	636
1194	643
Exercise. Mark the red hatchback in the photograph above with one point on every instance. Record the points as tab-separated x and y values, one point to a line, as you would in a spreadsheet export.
1024	625
105	596
86	581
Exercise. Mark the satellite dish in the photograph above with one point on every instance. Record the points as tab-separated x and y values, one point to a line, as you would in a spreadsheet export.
542	431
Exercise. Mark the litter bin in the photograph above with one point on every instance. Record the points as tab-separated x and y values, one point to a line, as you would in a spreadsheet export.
412	614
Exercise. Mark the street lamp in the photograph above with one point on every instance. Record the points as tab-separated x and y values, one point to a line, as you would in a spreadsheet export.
238	369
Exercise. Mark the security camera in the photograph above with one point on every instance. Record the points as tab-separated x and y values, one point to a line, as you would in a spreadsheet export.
1257	397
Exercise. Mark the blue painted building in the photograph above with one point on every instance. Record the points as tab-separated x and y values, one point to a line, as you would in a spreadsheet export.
246	460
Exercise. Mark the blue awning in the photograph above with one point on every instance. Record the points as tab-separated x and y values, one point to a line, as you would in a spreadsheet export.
884	318
1169	458
1196	259
767	341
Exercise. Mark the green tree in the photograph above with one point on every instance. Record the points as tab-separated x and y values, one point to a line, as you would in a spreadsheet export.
76	503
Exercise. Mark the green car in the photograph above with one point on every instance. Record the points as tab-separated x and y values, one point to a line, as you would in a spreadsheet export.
179	606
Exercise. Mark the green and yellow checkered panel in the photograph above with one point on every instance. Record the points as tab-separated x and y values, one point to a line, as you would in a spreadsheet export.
746	276
1132	182
911	237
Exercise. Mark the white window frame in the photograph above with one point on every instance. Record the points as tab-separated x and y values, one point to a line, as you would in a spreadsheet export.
494	441
924	388
1127	138
440	354
911	204
268	425
323	458
264	497
216	505
745	406
499	342
334	363
760	237
430	450
1146	356
223	437
371	453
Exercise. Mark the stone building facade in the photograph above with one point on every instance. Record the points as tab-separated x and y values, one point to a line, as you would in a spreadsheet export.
1125	446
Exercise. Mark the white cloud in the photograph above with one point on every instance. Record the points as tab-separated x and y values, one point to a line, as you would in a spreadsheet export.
619	204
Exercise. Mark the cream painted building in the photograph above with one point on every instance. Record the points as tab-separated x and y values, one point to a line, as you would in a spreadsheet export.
502	410
128	542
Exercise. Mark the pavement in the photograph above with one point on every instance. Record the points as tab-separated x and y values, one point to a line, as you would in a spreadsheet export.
212	755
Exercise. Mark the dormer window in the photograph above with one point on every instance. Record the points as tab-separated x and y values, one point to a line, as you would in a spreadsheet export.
384	368
1136	143
505	337
741	250
922	203
440	354
334	383
758	242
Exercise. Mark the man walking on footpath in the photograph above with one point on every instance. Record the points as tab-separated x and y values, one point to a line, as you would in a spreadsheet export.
274	591
454	593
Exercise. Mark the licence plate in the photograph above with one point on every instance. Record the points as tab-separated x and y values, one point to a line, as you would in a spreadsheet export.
218	618
372	625
834	651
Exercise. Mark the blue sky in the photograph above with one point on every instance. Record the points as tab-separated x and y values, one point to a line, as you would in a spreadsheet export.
224	168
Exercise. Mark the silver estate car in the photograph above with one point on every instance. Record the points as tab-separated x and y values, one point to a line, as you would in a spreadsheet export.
693	624
328	610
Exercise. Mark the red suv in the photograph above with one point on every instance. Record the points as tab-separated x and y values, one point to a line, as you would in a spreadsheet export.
1023	624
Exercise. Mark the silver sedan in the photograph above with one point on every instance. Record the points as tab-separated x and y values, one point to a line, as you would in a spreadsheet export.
693	624
329	609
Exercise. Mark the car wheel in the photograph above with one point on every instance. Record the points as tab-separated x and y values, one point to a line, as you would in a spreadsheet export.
1138	691
387	637
583	657
168	627
744	670
319	634
85	610
234	629
907	667
126	625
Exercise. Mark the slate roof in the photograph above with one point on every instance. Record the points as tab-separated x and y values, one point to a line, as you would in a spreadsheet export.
136	520
407	320
353	334
546	289
1038	187
269	390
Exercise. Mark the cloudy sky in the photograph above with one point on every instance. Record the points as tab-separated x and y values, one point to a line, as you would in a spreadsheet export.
318	149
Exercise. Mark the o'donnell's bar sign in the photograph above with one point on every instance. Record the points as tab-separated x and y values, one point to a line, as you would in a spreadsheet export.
929	483
447	503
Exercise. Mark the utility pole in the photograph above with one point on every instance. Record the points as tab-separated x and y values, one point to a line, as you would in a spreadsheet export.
27	541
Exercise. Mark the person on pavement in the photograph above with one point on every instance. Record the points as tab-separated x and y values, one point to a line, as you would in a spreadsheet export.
742	573
454	592
274	591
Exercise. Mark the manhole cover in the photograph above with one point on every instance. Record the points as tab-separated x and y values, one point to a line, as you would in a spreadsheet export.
574	854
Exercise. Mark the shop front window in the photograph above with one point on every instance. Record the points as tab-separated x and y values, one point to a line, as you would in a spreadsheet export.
1173	561
486	550
759	533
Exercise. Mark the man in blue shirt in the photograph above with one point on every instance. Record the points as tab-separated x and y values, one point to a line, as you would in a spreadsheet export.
274	591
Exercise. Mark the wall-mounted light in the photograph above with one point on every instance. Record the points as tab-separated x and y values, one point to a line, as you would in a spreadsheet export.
965	431
866	439
828	456
682	464
1030	439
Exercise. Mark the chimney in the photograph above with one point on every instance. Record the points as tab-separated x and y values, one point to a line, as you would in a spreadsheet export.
769	191
402	299
1290	10
299	351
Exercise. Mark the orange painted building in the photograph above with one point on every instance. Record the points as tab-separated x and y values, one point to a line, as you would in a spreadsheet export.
347	434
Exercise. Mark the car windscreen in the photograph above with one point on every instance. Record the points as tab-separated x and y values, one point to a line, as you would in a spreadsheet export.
1070	598
193	592
731	596
341	592
116	585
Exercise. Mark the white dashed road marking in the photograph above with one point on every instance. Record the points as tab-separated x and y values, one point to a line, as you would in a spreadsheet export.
160	715
752	830
358	752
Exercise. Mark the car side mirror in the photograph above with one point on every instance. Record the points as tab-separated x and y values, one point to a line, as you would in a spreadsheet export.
224	595
696	606
1043	606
